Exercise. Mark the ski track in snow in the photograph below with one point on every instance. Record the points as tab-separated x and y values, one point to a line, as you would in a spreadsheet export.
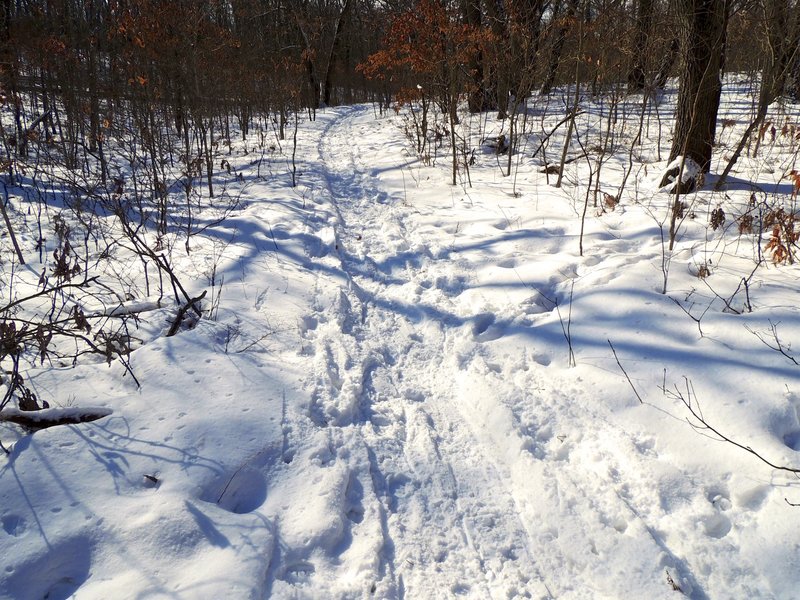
465	490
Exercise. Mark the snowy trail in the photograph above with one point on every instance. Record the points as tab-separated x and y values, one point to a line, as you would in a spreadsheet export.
368	383
380	402
435	522
468	488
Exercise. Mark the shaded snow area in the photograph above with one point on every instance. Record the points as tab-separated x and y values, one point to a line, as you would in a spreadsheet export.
383	405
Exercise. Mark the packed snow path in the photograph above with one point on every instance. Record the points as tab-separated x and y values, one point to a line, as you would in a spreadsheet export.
464	473
382	373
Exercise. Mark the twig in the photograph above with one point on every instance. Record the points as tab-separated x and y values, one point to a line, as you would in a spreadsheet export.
704	425
746	283
624	372
778	347
182	312
255	342
553	130
45	292
9	228
690	315
272	235
565	329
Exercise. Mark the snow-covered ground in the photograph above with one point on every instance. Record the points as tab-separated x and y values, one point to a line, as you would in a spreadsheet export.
385	404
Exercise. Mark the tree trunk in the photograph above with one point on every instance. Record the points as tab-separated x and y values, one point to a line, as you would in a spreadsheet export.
496	95
525	23
637	78
9	228
341	23
308	64
793	81
471	13
703	27
783	35
667	61
781	28
558	45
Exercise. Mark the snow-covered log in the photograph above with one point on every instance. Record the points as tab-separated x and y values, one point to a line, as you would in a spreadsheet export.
50	417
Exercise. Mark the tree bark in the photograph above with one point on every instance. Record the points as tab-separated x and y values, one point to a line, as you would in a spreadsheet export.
703	27
341	23
476	100
637	78
666	64
308	65
558	45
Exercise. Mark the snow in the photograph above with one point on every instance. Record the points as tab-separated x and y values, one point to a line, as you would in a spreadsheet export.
384	404
687	168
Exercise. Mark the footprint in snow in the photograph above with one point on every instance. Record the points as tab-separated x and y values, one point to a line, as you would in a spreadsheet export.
279	233
792	440
486	329
354	493
450	286
717	524
298	573
307	324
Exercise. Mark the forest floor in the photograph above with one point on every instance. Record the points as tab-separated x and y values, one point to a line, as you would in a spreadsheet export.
410	389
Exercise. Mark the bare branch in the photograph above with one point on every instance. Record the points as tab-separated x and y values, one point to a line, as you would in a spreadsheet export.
778	345
702	426
624	372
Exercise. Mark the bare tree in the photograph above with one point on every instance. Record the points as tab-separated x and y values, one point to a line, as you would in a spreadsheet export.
637	78
779	27
703	29
336	49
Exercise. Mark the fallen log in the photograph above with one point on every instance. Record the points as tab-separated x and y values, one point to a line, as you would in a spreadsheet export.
51	417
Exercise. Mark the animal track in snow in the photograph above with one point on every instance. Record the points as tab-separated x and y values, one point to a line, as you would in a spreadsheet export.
15	525
508	263
542	359
716	525
537	304
244	489
57	573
